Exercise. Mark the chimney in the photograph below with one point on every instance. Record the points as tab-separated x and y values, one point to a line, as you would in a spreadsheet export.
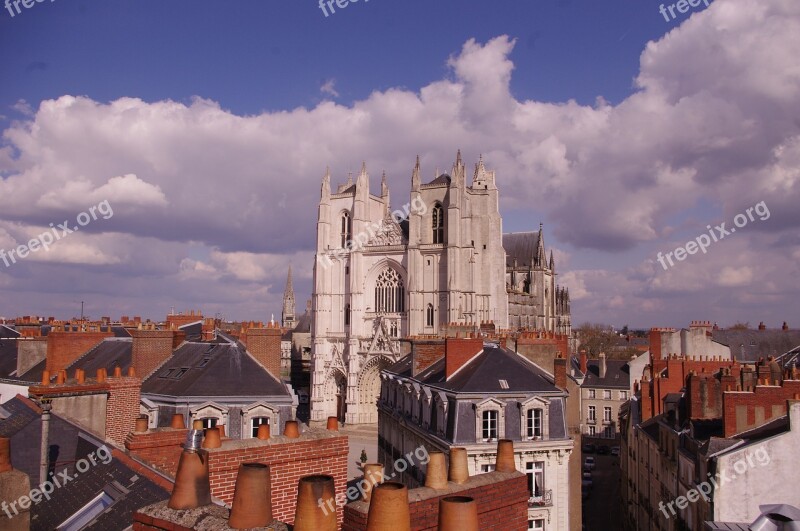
151	348
192	487
603	365
458	513
584	361
560	371
459	468
458	352
65	347
252	497
436	473
785	327
264	344
389	508
762	326
425	353
310	515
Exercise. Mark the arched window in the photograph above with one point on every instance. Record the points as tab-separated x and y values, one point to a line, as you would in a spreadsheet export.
347	228
429	315
347	315
389	293
437	222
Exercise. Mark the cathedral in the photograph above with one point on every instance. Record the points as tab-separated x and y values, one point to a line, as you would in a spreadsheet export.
381	275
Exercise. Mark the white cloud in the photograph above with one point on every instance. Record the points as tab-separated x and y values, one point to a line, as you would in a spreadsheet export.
328	87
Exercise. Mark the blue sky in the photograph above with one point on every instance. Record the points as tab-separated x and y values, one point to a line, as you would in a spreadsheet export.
193	109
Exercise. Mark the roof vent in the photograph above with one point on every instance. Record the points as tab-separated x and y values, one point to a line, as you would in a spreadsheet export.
503	384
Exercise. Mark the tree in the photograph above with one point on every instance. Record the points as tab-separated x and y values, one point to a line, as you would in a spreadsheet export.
740	326
596	338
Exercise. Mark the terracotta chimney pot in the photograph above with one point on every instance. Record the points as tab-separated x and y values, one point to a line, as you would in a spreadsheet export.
389	509
197	424
192	487
131	371
252	497
61	376
373	475
141	425
263	432
212	438
309	514
80	376
333	424
458	513
291	430
45	378
505	456
436	476
178	422
459	469
221	428
117	372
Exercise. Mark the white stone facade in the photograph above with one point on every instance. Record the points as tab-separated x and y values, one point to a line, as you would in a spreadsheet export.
377	280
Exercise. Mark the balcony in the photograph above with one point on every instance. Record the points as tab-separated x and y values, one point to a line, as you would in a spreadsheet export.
545	500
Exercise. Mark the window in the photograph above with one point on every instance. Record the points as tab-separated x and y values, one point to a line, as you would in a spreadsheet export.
489	425
256	422
437	222
535	473
429	315
87	513
591	393
608	432
592	431
389	294
534	423
536	525
623	395
347	228
607	414
347	315
209	422
592	413
607	394
487	468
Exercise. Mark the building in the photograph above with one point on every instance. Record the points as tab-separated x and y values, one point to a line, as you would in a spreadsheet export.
470	393
605	387
382	275
287	312
721	438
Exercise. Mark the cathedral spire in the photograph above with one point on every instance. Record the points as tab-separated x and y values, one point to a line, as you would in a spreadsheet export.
541	257
552	262
385	194
415	176
326	184
480	171
287	313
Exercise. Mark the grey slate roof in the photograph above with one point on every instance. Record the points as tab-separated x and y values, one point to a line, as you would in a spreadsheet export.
303	325
521	246
8	357
749	345
8	333
106	355
617	375
212	369
69	444
483	373
194	331
442	179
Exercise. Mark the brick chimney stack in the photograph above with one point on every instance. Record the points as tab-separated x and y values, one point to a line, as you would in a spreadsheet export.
152	347
264	344
560	371
584	361
785	327
65	347
425	353
762	326
460	351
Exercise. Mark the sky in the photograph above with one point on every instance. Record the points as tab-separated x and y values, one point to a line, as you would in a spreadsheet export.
199	133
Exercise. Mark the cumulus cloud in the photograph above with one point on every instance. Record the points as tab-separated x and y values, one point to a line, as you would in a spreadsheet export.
711	122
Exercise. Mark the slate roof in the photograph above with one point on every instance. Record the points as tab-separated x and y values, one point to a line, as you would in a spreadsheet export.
8	357
212	369
194	331
521	246
8	333
106	355
617	375
34	374
482	374
442	179
749	345
68	444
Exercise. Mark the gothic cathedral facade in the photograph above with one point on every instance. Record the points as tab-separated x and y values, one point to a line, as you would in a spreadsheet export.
381	275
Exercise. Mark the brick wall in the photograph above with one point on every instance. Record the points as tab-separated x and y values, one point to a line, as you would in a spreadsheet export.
152	347
460	351
541	348
502	504
264	344
743	410
160	447
122	407
65	347
425	353
315	452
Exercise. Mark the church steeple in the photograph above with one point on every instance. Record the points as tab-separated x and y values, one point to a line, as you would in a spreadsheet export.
415	177
287	314
552	262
